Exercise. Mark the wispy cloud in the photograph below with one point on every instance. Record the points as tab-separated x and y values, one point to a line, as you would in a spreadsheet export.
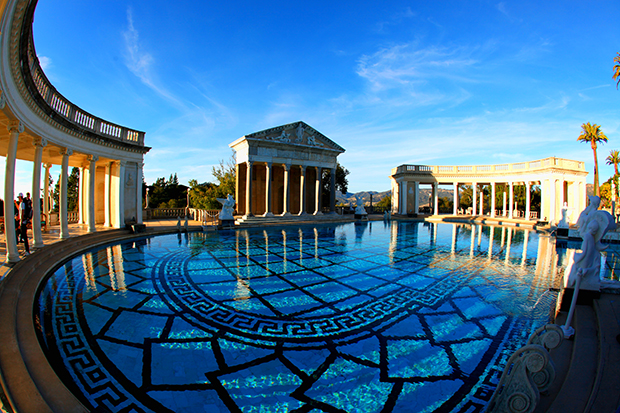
407	65
45	62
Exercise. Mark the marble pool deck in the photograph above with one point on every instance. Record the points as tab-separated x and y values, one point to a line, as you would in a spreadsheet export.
587	366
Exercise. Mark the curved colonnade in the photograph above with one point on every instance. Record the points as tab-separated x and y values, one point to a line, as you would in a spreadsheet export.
562	182
41	126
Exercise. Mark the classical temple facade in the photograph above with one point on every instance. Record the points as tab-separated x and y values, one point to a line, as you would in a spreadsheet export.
562	183
280	170
40	125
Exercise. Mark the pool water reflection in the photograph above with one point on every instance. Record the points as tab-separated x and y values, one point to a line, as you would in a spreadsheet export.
358	317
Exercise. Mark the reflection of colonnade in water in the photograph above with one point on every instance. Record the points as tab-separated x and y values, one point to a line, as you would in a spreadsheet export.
509	238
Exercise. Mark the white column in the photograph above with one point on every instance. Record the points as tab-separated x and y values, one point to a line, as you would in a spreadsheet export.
474	193
511	196
248	189
139	179
39	144
317	196
527	199
287	190
416	198
435	198
268	212
121	193
332	190
46	192
493	199
12	254
481	203
63	210
552	196
81	200
90	219
504	205
455	206
404	196
108	194
302	191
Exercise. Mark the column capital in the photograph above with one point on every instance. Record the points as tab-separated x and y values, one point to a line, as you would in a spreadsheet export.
66	151
93	158
286	166
38	141
16	126
47	165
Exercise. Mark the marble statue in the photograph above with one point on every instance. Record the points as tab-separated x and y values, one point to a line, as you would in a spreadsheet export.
566	214
300	133
587	263
595	202
228	207
359	208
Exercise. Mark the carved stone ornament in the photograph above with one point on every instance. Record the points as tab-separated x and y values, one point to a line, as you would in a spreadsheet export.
38	141
16	126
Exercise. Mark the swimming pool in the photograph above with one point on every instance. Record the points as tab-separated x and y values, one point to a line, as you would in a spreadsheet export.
372	316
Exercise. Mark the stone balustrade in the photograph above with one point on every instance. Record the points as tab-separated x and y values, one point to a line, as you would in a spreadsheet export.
482	170
62	110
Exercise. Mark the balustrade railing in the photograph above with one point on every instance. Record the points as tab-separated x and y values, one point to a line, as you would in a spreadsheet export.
76	117
491	169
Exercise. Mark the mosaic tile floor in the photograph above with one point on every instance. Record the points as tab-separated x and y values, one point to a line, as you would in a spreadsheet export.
371	317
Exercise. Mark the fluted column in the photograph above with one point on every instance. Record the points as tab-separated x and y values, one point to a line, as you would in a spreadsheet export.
139	180
455	206
120	217
107	220
92	167
492	199
39	144
302	191
81	200
12	254
287	190
46	192
268	190
527	200
248	190
435	198
64	212
317	196
474	191
332	191
511	197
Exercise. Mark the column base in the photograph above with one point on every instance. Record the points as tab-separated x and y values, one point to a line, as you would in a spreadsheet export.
268	214
248	215
317	213
285	214
302	213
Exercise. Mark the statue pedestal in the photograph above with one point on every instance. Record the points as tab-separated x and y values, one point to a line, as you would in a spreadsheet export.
589	289
226	223
562	232
360	216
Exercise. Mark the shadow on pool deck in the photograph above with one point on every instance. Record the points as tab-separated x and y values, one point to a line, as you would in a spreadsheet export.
587	366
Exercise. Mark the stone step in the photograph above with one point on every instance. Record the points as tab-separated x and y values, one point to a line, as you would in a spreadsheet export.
577	385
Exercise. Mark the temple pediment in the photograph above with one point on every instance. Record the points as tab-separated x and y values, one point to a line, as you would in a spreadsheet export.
295	134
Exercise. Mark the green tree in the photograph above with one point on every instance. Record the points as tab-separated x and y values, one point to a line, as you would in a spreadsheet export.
226	175
385	204
342	183
616	75
614	159
168	193
593	134
73	194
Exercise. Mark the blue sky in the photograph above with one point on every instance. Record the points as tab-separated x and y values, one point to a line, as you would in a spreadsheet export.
440	82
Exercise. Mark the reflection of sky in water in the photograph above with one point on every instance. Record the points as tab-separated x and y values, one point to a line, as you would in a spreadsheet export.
199	321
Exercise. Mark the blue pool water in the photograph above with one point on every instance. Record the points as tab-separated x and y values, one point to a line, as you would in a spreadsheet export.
371	317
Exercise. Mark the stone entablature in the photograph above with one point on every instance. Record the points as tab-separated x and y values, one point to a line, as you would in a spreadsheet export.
279	170
562	181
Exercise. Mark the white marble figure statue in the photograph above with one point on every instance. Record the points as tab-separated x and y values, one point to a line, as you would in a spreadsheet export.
566	214
587	263
595	201
359	208
228	207
300	133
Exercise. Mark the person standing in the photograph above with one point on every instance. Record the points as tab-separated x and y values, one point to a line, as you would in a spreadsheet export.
24	216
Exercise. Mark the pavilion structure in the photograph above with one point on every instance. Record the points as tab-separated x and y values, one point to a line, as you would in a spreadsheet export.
562	183
280	170
40	125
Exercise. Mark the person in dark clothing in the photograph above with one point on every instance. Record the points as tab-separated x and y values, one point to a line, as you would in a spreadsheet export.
24	215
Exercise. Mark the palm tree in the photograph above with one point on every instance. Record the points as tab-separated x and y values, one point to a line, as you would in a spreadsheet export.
614	159
617	70
593	134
